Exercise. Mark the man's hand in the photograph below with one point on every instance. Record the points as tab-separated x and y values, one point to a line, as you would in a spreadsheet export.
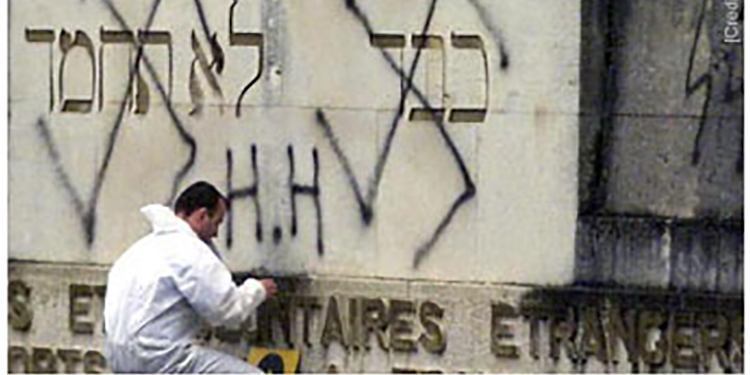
270	286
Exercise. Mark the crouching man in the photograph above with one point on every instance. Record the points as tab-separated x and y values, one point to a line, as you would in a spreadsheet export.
166	284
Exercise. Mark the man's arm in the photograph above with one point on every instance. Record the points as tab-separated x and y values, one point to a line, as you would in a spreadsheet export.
207	285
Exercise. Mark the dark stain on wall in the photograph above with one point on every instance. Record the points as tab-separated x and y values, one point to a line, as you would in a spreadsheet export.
624	237
636	330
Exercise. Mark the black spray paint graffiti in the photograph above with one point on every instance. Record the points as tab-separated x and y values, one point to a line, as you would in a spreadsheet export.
200	60
718	72
245	39
727	58
484	17
136	84
247	192
87	211
145	37
236	39
365	203
296	189
604	139
313	191
186	137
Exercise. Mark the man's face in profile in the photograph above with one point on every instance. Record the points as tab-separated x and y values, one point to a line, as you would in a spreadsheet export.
210	223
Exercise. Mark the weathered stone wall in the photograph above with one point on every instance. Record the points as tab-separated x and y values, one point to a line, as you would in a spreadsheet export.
661	162
451	185
349	324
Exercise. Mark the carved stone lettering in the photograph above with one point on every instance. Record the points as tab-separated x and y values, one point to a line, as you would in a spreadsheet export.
534	323
432	44
433	339
245	39
651	340
275	312
107	37
51	360
81	298
94	362
477	112
202	64
355	324
284	313
714	335
401	327
20	314
43	360
70	358
45	36
374	319
592	338
157	38
562	332
501	331
67	44
19	360
621	326
333	330
309	306
683	348
738	342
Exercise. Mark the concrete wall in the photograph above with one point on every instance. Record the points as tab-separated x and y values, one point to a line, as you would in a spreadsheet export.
344	324
661	158
453	185
348	177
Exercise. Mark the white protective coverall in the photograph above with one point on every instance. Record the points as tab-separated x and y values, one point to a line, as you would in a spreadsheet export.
161	290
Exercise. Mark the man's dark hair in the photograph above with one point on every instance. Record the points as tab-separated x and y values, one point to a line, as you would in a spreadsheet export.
198	195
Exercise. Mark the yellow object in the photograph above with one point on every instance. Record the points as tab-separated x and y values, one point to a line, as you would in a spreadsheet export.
275	361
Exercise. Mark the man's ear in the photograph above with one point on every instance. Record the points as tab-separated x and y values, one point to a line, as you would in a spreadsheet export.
198	215
202	213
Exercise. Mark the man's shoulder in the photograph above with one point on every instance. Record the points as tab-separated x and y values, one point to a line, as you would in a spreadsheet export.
172	247
137	250
180	245
165	251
